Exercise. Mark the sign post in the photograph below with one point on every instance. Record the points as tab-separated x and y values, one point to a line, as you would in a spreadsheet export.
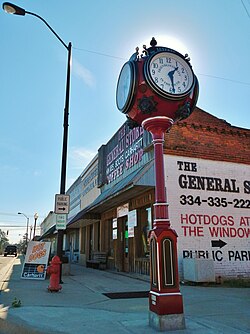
61	209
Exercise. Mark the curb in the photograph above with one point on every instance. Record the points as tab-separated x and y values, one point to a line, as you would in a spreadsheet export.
9	326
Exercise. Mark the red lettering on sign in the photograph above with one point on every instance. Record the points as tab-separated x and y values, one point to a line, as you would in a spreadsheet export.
198	219
245	221
229	232
37	255
193	231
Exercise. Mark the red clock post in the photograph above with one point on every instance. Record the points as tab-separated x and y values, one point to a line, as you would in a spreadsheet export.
155	90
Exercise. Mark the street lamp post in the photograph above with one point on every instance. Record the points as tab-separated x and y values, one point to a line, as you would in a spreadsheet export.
13	9
31	227
35	219
27	228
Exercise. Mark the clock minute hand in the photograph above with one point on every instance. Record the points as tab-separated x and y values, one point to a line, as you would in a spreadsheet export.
171	76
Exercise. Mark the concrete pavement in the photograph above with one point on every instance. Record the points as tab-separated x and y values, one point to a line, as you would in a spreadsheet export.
81	306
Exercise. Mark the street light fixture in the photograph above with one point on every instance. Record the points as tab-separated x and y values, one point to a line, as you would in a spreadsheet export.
13	9
27	228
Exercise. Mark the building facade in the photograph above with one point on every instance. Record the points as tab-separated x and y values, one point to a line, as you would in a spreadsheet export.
48	231
208	185
82	193
207	165
207	169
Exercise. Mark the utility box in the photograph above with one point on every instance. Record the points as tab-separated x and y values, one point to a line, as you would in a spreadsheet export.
198	270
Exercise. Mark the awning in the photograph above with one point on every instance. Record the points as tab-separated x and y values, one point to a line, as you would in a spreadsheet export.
48	233
135	183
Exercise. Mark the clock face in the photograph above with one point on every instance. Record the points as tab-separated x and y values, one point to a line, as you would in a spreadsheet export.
125	87
169	75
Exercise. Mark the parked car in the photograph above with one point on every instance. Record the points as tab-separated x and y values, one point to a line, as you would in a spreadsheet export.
10	250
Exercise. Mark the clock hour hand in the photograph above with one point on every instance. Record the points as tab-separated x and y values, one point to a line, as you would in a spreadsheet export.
171	76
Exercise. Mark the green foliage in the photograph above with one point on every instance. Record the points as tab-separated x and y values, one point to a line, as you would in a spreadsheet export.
3	240
16	303
22	246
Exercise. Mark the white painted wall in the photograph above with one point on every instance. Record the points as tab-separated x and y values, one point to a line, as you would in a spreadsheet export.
204	217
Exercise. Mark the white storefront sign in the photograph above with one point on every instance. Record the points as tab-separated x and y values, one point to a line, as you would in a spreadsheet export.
114	225
122	210
132	222
209	206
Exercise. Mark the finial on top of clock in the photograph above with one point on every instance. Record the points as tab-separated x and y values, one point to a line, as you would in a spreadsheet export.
144	51
137	52
153	42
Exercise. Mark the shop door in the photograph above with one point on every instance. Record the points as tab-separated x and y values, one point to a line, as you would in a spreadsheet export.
123	245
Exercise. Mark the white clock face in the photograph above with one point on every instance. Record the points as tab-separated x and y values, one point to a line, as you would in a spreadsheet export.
169	74
125	87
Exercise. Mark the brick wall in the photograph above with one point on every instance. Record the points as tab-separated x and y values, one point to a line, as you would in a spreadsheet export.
203	135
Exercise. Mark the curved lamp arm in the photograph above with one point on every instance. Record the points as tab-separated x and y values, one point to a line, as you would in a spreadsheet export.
10	8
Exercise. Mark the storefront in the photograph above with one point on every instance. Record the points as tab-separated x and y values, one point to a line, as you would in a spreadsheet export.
118	220
48	231
79	234
124	234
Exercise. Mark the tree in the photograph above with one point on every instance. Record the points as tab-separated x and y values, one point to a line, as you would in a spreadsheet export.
22	245
3	240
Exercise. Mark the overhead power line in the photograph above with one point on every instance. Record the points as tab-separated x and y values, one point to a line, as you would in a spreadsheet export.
10	226
8	214
98	53
206	75
13	227
226	79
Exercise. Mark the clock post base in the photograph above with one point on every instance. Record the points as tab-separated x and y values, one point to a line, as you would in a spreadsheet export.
166	322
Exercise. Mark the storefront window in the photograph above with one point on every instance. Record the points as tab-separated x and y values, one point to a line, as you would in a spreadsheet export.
149	212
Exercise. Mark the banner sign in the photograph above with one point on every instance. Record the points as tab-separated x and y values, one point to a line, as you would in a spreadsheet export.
36	260
209	206
132	222
122	210
122	154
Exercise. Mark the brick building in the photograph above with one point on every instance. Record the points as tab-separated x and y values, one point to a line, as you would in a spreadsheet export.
205	136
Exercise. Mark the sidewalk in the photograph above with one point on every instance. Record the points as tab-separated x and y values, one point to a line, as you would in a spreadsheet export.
81	307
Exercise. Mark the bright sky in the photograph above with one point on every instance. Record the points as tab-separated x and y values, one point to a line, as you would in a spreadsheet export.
104	34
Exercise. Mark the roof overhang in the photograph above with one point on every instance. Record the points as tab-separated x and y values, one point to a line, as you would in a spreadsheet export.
137	182
49	233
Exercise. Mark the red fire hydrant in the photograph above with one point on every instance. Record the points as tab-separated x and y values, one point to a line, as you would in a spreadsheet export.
54	271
